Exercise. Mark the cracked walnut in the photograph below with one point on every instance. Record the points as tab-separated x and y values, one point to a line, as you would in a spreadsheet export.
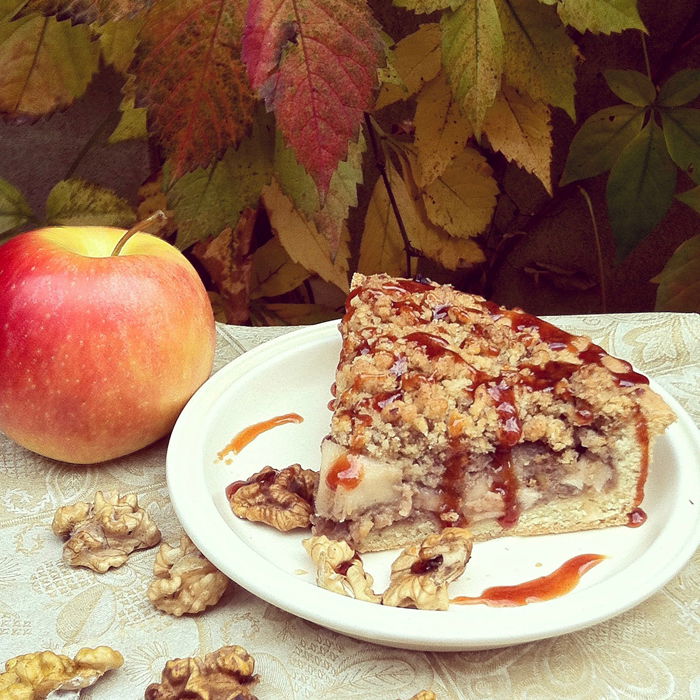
225	674
101	535
283	499
185	581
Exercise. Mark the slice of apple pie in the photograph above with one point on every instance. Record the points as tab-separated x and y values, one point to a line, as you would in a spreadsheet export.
450	410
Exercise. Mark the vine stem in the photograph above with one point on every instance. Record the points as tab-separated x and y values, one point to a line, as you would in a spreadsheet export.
646	55
155	222
599	252
381	167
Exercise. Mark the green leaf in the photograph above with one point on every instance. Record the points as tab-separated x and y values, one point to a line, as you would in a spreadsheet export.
600	16
472	50
600	140
682	133
45	64
76	202
14	210
132	122
640	188
208	200
679	281
680	88
427	6
540	58
691	198
631	86
118	41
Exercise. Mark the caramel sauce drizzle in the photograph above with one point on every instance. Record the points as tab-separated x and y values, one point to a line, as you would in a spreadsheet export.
636	518
554	585
247	435
344	473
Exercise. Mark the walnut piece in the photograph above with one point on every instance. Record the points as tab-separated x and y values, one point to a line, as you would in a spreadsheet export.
186	582
37	675
102	534
225	674
340	569
424	695
283	498
421	574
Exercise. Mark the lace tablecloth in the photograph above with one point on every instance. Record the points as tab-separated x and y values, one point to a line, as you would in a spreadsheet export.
649	652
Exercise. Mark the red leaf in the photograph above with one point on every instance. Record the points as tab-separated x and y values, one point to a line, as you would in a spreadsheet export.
315	62
190	75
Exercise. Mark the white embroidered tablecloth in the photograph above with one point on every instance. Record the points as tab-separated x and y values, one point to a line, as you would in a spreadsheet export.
652	651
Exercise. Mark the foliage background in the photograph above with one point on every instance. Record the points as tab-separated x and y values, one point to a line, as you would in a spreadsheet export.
552	268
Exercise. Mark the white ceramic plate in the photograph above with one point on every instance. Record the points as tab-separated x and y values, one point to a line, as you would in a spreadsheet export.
293	374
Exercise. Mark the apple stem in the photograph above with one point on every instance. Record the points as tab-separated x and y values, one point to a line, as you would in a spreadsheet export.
155	222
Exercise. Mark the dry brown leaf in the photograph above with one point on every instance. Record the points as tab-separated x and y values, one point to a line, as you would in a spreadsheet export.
228	260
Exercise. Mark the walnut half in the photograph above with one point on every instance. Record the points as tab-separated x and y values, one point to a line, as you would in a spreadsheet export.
102	534
225	674
186	582
34	676
283	499
340	569
421	574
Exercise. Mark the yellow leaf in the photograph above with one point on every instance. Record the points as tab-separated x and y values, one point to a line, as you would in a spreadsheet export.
441	129
118	41
381	247
44	64
472	47
302	240
463	198
132	123
417	59
540	58
274	272
520	129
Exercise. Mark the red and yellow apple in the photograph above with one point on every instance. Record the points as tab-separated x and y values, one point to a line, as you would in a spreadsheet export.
98	352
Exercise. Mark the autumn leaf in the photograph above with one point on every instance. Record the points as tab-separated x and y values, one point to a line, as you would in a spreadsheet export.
520	129
600	140
428	6
600	16
679	281
539	57
417	59
274	272
633	87
441	129
640	188
280	314
46	64
473	56
681	128
315	63
680	88
150	199
463	198
86	11
211	199
691	198
133	120
189	75
381	246
425	235
302	240
118	42
228	260
79	203
15	212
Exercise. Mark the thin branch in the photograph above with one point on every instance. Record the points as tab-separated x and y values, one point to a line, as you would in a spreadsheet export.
599	252
381	167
